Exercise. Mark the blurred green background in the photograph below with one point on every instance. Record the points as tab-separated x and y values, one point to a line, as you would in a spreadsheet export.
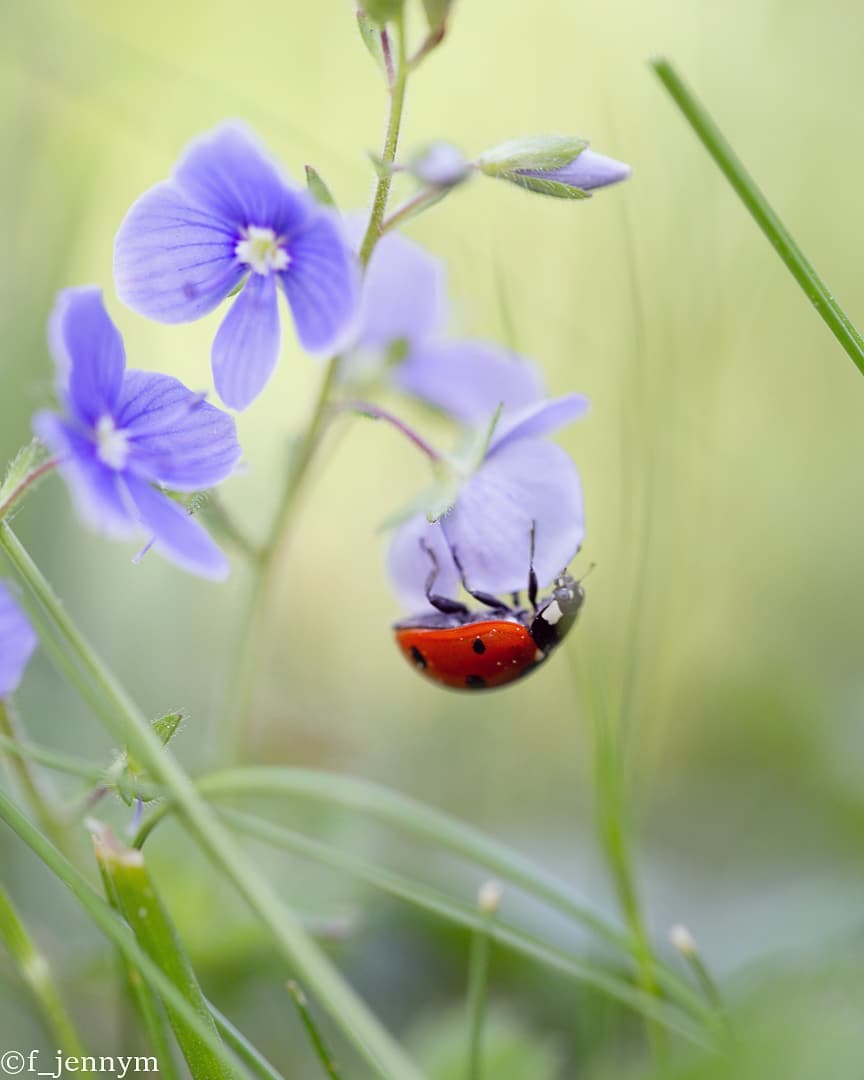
721	464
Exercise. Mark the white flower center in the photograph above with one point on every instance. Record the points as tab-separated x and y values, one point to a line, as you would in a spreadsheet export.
112	444
261	250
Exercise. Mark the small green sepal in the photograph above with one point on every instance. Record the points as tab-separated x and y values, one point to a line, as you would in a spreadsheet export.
317	188
383	11
538	152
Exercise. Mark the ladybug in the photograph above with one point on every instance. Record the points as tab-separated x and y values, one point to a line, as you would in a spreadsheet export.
467	649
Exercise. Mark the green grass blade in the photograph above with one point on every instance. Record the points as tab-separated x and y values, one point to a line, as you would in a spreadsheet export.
328	1064
257	1064
102	914
144	912
815	289
128	725
467	915
34	970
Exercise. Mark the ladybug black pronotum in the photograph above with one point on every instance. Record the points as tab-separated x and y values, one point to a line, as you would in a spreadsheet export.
467	649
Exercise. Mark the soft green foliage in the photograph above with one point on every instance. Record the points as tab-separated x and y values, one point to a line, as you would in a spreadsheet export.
383	11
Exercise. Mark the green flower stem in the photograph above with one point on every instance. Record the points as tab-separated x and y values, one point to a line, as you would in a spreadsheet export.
460	913
145	1000
24	486
26	780
252	644
141	907
763	213
423	200
388	153
312	1030
613	824
100	913
128	725
478	980
34	970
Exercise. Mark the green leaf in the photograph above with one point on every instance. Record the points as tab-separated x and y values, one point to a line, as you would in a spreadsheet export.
317	188
383	11
437	12
143	910
533	152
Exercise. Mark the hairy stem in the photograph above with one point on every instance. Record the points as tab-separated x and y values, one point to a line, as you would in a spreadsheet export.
252	644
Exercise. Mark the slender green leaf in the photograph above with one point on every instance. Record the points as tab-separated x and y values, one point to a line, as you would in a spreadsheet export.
747	190
258	1065
145	913
540	152
317	188
328	1063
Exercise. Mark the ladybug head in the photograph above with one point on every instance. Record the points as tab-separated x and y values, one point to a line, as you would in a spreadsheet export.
557	612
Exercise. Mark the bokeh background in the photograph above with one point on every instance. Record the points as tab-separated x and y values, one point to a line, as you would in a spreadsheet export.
721	463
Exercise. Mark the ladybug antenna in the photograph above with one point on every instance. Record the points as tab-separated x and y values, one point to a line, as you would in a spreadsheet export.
591	567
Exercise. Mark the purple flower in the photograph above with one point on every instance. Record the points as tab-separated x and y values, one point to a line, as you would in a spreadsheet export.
17	643
588	170
403	315
228	219
523	482
124	431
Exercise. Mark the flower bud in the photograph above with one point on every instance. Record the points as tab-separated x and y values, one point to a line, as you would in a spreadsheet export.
682	940
489	897
559	165
440	165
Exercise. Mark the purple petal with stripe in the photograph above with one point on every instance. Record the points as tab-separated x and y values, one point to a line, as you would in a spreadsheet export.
175	438
173	260
541	418
98	494
468	379
176	534
17	642
523	483
88	352
246	346
409	564
228	173
322	285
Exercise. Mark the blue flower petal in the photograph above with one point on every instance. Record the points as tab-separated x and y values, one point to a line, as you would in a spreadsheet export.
246	346
175	438
523	483
97	491
468	379
541	418
176	534
88	352
404	294
17	643
229	173
409	564
322	285
173	260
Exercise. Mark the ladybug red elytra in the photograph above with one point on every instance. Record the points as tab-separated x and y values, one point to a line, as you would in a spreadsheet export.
479	650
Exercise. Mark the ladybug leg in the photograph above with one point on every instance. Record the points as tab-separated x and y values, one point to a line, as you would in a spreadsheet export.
532	574
441	603
484	597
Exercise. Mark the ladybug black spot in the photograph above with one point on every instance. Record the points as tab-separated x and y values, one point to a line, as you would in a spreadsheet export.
418	657
475	682
478	646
